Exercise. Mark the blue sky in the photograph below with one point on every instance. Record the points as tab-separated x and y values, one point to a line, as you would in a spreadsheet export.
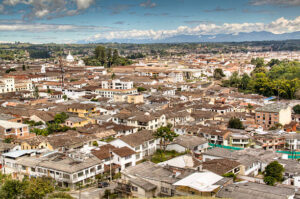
67	21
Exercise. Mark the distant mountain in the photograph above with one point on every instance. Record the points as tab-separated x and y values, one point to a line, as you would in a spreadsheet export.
240	37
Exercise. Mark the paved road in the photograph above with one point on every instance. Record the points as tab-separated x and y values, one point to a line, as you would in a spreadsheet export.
91	193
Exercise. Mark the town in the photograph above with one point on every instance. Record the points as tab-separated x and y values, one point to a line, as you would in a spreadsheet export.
102	124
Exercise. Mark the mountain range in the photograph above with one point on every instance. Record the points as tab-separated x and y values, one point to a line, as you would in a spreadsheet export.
240	37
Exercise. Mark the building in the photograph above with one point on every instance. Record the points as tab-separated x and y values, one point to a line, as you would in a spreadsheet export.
271	114
131	99
66	169
7	85
14	129
143	143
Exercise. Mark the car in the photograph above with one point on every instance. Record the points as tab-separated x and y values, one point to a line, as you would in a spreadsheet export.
103	184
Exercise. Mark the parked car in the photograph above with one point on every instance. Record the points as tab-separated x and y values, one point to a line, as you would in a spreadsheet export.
103	184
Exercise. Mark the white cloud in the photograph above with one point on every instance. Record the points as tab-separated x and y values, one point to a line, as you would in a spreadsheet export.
278	26
49	8
148	4
275	2
44	27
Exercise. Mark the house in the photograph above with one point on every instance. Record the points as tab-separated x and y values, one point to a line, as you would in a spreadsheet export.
271	114
252	190
291	172
65	169
184	143
182	162
143	143
14	129
203	183
149	180
82	110
292	141
222	166
76	122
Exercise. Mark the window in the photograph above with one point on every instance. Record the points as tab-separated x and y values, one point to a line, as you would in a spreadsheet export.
133	188
99	167
127	157
164	190
80	174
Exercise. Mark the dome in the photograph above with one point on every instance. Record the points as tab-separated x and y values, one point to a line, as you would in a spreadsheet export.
70	58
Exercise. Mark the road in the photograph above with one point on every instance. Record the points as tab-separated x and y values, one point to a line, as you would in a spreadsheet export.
91	192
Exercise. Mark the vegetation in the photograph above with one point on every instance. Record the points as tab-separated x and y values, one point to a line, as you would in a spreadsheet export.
296	109
34	188
33	123
141	89
10	70
60	195
161	156
235	123
273	173
106	57
165	134
218	74
55	127
281	80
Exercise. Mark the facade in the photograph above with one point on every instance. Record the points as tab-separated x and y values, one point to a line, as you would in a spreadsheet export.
14	129
271	114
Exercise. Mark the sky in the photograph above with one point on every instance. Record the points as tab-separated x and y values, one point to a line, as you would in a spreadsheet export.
70	21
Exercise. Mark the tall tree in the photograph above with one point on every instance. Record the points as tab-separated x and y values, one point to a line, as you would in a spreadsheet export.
109	57
115	58
165	134
218	73
273	173
235	123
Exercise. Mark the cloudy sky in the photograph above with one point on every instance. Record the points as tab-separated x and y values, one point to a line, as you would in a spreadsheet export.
67	21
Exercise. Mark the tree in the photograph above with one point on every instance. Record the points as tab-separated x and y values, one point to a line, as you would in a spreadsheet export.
269	180
249	108
36	92
60	117
109	57
273	170
100	54
273	62
23	67
258	62
115	58
218	73
12	189
141	89
244	81
296	109
38	188
113	76
235	123
165	134
65	97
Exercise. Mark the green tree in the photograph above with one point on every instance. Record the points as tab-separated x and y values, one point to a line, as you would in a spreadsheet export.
23	67
274	170
115	58
218	73
109	57
235	123
113	76
141	89
296	109
244	81
165	134
38	188
65	97
12	189
60	117
269	180
100	54
36	92
258	62
273	62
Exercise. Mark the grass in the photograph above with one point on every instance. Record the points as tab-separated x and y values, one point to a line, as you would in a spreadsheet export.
161	156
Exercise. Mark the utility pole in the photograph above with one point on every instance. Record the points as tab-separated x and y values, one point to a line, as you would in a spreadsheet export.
110	165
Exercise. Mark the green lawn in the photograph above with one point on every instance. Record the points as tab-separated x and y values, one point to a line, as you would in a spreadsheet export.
161	156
